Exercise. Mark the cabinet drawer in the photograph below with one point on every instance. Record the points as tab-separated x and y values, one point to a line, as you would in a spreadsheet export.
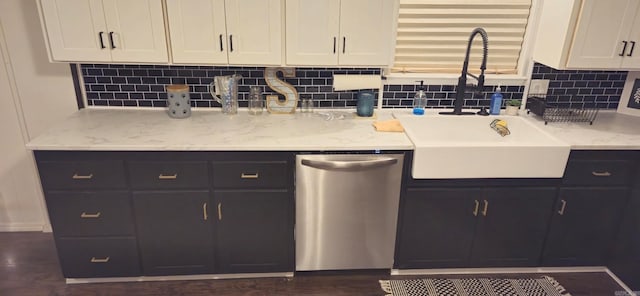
598	172
250	174
98	257
168	174
82	174
90	213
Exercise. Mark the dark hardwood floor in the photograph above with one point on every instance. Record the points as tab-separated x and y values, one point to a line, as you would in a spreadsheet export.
29	266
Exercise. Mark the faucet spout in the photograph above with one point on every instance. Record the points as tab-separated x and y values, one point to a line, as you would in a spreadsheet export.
462	81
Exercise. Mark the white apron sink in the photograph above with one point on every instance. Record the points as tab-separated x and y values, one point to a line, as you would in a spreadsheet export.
452	147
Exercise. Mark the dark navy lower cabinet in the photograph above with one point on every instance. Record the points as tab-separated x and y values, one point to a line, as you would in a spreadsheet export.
591	201
436	227
511	228
174	232
254	230
124	214
625	261
444	227
584	225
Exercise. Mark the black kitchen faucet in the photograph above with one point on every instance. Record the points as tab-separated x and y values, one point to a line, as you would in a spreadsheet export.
462	81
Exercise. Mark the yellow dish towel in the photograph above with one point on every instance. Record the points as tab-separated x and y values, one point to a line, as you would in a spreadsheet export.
392	125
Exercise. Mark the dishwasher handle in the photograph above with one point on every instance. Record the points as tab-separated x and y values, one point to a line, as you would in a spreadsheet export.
356	165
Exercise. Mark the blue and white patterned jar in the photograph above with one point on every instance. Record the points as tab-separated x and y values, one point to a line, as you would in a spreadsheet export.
179	101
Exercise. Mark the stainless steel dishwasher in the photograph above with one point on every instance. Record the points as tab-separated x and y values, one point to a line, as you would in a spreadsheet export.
346	210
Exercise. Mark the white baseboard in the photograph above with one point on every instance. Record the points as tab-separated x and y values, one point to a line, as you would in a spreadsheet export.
20	227
498	270
47	228
179	277
621	283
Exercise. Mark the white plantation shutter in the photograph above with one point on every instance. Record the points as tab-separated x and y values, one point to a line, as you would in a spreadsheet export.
432	35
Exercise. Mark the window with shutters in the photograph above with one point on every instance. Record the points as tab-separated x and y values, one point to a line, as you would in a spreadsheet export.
432	35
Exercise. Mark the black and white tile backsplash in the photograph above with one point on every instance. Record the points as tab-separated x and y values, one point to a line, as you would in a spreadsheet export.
143	86
578	88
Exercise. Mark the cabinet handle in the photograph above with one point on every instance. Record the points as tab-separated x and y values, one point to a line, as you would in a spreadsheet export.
486	208
249	176
204	212
220	38
334	44
101	40
344	43
564	205
624	48
231	43
219	211
633	45
86	216
99	260
113	45
81	177
475	211
601	174
168	177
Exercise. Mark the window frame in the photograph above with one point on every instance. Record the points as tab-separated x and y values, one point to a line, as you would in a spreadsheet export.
525	62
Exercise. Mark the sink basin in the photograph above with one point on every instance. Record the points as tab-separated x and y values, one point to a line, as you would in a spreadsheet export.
452	147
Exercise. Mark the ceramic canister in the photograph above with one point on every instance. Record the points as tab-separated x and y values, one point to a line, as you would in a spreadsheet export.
179	101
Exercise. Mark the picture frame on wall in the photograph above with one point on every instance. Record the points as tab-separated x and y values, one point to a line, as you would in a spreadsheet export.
630	99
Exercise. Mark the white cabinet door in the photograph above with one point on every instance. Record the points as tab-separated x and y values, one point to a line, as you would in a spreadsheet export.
312	32
365	32
600	32
198	31
136	30
74	29
632	55
254	29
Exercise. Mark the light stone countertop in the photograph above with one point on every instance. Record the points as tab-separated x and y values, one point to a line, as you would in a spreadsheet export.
210	130
610	131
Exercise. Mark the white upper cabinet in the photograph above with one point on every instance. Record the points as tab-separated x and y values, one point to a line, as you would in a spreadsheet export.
312	31
589	34
241	32
105	30
198	31
76	30
339	32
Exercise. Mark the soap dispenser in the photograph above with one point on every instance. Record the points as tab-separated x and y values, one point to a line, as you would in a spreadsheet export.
420	100
496	102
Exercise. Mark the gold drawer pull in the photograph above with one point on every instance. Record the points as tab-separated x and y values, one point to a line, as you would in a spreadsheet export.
99	260
204	212
219	211
85	215
564	205
601	174
81	177
168	177
475	211
486	208
249	176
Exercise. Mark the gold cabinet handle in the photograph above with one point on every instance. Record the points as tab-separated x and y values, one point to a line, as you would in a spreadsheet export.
204	212
564	205
81	177
219	211
99	260
486	208
86	216
475	211
249	176
601	174
168	177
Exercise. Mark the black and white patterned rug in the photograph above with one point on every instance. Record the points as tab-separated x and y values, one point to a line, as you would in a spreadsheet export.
542	286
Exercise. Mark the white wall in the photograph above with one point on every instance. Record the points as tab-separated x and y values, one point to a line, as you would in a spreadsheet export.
43	95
